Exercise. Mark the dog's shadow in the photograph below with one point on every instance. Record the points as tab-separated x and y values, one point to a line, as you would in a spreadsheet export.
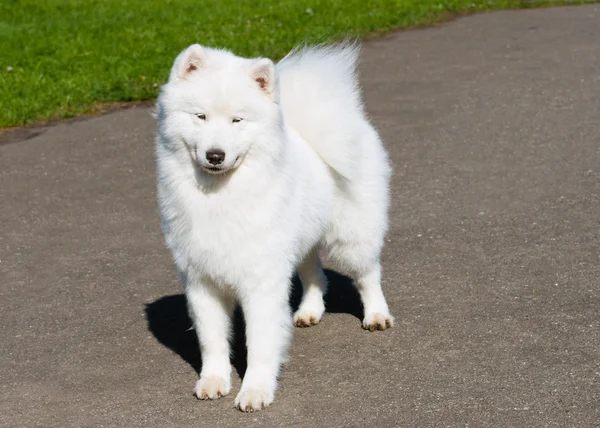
170	324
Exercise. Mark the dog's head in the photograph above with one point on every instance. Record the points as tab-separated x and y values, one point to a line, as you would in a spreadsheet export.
219	106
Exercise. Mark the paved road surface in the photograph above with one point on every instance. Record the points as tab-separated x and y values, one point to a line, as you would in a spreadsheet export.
492	266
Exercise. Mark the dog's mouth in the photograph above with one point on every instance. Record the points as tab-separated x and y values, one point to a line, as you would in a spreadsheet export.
217	170
214	169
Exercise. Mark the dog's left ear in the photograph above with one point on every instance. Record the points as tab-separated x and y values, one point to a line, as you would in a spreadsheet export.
263	72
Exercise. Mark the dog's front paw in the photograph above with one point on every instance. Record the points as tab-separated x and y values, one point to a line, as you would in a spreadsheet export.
377	321
212	387
253	399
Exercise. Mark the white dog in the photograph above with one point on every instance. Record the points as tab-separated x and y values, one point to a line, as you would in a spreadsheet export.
262	169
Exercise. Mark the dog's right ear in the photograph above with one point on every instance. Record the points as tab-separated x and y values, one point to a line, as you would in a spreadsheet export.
187	62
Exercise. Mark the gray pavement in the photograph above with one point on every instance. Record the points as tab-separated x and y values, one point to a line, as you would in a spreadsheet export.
492	267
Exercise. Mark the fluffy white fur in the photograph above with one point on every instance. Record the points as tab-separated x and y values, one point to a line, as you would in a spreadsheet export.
304	175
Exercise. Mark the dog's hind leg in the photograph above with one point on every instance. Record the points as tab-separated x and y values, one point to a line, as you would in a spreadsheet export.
314	284
377	314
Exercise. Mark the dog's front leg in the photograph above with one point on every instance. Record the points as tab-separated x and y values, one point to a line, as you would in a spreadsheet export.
268	334
211	309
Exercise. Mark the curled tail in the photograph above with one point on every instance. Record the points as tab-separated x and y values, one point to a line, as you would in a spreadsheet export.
320	98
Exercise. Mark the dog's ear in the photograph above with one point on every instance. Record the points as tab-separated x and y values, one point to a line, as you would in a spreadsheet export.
263	72
187	62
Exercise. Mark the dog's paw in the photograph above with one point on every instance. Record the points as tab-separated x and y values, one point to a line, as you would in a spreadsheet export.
378	321
308	316
212	387
253	399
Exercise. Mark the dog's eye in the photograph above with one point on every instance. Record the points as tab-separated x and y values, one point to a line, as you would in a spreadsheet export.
201	116
236	119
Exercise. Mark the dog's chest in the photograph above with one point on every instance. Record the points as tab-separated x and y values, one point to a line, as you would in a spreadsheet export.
224	237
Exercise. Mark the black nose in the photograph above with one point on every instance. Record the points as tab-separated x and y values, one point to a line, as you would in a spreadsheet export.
215	156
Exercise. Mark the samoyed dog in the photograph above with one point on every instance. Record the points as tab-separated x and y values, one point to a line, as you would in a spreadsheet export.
262	170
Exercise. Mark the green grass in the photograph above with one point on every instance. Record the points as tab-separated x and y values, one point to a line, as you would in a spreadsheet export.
58	58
